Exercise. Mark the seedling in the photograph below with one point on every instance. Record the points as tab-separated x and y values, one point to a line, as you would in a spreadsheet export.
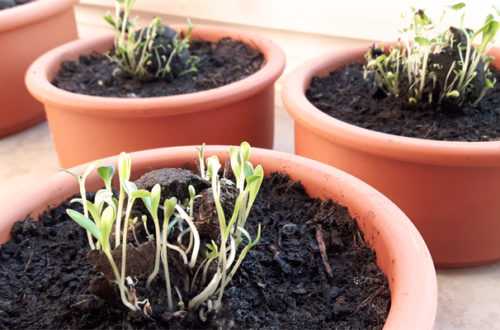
432	67
152	52
172	221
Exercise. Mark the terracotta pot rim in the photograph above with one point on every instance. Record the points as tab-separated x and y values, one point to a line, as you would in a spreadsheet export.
414	293
31	12
42	70
410	149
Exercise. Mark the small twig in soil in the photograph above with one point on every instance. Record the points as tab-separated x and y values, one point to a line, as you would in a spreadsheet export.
275	250
30	258
369	298
431	129
322	250
226	169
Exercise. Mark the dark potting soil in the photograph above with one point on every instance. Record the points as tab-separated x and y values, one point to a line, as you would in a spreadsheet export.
4	4
220	63
282	283
345	95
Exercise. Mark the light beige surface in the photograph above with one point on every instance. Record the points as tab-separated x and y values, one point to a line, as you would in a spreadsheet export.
468	298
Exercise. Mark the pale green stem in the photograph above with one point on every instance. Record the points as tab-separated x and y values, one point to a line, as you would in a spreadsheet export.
157	257
124	245
170	302
118	279
196	247
119	211
83	193
207	292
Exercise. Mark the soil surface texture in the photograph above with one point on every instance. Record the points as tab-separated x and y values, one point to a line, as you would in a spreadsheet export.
310	270
346	96
220	63
4	4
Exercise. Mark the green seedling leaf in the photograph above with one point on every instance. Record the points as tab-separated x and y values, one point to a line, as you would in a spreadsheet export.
422	41
248	170
488	59
140	193
124	165
106	173
244	152
457	6
89	169
108	18
253	186
192	192
101	197
229	182
94	212
213	166
128	186
169	208
107	220
85	223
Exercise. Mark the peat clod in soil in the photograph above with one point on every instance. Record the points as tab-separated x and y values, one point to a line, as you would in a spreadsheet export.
163	48
4	4
174	182
346	96
310	269
219	64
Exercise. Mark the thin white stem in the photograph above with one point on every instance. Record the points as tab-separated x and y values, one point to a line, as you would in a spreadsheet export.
157	256
196	246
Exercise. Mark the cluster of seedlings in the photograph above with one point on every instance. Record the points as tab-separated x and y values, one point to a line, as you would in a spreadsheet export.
175	228
154	52
436	68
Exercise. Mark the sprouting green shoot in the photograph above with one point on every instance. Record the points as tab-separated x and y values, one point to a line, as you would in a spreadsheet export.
83	193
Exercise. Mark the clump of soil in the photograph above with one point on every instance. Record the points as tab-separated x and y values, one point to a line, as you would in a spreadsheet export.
4	4
344	94
310	269
219	64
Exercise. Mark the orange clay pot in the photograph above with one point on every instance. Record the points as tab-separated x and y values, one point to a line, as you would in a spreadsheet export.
26	32
90	127
450	190
401	251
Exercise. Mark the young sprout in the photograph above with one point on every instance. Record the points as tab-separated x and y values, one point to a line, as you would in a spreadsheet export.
168	210
124	168
106	173
152	203
201	161
83	193
132	193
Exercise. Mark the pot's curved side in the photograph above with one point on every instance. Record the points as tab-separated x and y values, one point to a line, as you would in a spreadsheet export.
243	110
449	189
26	32
401	252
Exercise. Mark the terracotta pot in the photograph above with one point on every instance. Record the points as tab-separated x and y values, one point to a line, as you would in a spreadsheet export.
90	127
26	32
401	252
450	190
